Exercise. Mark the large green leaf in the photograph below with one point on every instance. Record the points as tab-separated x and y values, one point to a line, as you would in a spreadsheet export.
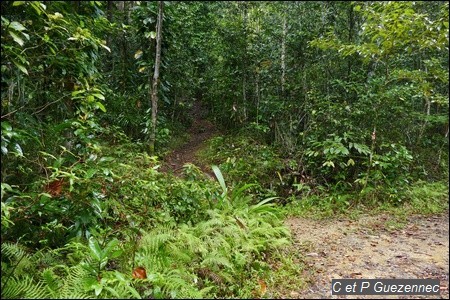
219	176
96	251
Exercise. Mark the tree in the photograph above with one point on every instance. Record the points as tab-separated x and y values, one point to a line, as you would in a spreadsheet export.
154	90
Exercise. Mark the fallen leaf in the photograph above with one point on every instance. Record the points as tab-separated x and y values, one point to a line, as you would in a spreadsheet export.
139	273
239	222
263	286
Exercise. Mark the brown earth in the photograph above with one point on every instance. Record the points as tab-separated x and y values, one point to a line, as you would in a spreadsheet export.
200	131
371	249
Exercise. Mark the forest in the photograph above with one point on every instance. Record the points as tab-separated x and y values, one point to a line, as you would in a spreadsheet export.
222	149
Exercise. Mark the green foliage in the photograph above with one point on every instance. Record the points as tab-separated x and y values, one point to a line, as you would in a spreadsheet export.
208	258
43	276
244	159
214	253
428	198
346	107
417	198
394	41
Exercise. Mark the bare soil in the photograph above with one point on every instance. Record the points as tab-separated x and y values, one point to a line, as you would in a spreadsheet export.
200	131
371	249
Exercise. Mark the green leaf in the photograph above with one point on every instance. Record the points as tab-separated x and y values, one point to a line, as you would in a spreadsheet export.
116	254
264	202
237	193
18	3
138	54
90	173
150	34
106	47
74	93
17	39
328	163
98	289
100	105
21	67
99	96
111	245
18	149
17	26
6	126
220	179
95	249
344	150
106	158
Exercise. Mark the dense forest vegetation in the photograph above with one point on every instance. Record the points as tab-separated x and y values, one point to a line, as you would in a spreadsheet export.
322	106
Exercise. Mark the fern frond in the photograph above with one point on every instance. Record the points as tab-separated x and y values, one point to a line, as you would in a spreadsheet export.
216	259
22	288
117	285
75	282
52	282
178	284
188	240
19	258
152	242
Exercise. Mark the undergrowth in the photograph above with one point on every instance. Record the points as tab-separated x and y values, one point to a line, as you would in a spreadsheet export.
84	230
241	157
87	226
423	198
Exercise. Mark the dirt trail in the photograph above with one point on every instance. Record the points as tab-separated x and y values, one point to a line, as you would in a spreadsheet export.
369	249
200	131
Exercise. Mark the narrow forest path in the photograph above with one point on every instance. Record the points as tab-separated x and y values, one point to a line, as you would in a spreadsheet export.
370	248
200	131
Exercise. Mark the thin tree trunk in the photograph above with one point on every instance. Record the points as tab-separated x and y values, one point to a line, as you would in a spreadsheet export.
283	56
351	25
257	97
154	92
243	117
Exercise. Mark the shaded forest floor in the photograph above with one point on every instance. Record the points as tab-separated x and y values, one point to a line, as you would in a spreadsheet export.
200	131
372	247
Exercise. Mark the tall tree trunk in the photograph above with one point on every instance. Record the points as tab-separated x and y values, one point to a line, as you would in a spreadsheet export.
351	25
283	56
243	118
154	91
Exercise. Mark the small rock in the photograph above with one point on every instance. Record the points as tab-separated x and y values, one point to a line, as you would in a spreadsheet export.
313	254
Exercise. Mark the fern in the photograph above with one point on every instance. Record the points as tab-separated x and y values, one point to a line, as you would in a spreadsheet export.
19	259
74	282
16	267
218	252
216	259
22	288
51	281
